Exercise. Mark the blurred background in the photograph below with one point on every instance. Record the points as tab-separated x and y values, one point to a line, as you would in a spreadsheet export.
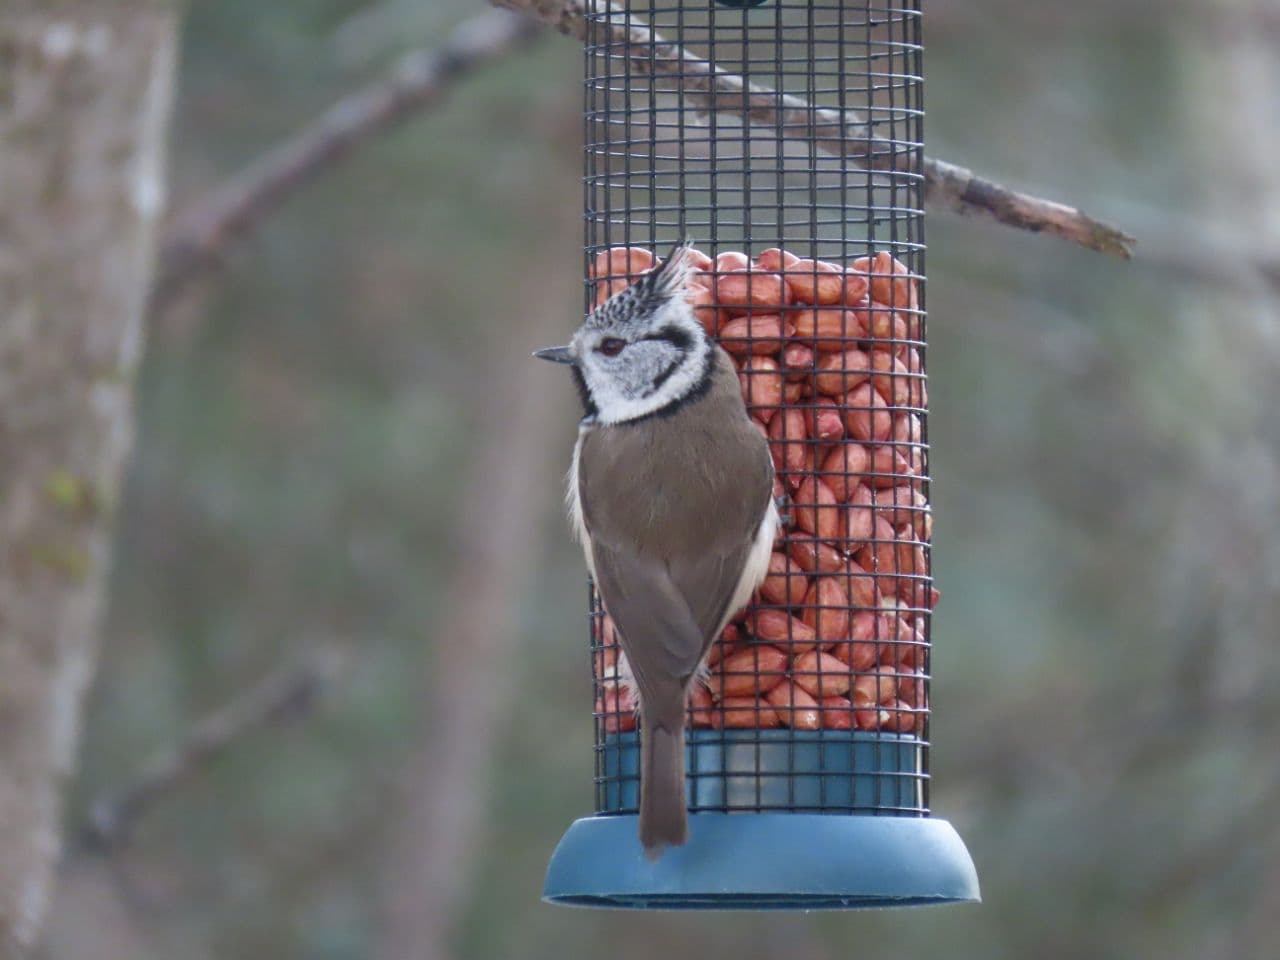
348	483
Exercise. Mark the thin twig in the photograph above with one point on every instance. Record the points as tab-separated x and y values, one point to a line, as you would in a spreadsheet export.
200	232
840	133
283	696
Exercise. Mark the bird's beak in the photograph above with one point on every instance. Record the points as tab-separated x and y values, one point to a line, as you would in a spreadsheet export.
556	355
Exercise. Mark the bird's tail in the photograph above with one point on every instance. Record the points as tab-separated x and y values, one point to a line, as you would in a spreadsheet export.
663	819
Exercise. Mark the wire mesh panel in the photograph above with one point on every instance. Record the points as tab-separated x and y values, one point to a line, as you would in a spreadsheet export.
786	140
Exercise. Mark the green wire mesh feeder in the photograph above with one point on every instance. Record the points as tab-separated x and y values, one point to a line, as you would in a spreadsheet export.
785	137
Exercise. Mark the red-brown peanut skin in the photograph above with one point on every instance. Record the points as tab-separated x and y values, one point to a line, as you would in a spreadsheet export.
908	434
821	674
911	689
904	647
744	713
785	584
897	565
731	260
797	362
858	518
824	421
856	287
813	556
837	713
616	709
749	671
888	467
741	290
758	334
878	686
795	707
899	718
826	609
858	654
905	505
867	416
862	586
816	282
702	264
890	280
885	328
775	260
781	629
700	707
703	301
787	444
867	714
839	373
828	328
795	391
761	386
843	469
894	382
815	510
719	650
621	262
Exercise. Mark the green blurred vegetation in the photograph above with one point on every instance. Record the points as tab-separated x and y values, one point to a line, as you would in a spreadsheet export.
1105	505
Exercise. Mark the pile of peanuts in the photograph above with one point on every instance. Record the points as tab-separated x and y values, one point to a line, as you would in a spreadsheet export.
832	376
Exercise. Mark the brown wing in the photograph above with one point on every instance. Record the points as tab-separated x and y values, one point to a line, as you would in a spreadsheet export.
651	612
684	494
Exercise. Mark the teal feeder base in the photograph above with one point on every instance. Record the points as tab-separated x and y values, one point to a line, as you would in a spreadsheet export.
858	838
765	861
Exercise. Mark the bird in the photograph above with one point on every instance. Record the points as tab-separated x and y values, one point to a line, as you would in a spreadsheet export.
670	492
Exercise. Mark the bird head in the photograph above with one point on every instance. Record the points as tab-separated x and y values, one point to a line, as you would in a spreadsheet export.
642	350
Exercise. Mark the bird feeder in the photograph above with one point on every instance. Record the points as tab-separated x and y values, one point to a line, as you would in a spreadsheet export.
785	138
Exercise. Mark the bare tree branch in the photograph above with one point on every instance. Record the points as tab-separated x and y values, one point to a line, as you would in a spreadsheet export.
843	134
86	88
200	232
283	696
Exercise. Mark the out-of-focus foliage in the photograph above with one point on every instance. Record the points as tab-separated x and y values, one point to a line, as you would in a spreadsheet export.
1105	502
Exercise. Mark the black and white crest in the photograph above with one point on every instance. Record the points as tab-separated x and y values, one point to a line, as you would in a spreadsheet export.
649	294
643	351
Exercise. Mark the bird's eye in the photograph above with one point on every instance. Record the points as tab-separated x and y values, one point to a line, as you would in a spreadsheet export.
611	346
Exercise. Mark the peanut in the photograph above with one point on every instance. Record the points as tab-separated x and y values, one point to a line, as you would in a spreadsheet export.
816	281
777	627
797	361
826	609
744	712
753	669
775	260
824	421
785	584
814	556
795	707
828	328
787	446
837	713
821	674
867	416
843	467
761	386
815	509
741	290
839	373
754	334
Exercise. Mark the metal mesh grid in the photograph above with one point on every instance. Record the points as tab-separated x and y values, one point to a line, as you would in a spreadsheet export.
793	126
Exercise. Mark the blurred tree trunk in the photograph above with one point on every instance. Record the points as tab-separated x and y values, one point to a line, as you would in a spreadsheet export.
85	87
